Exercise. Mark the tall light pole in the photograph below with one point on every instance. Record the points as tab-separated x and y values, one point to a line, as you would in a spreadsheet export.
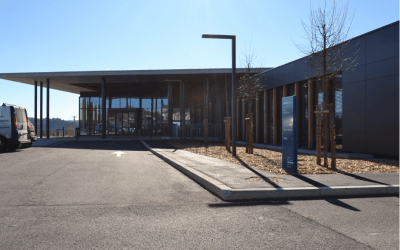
234	118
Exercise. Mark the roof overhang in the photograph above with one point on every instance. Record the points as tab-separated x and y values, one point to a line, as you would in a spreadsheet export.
86	81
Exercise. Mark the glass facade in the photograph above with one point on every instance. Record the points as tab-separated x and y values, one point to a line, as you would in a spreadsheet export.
122	116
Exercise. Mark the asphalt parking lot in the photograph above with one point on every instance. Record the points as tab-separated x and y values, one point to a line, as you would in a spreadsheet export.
117	195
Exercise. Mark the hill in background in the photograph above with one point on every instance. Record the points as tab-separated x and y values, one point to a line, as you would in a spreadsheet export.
55	123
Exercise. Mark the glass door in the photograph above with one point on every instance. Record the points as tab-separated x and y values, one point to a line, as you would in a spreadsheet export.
118	124
124	123
111	123
132	122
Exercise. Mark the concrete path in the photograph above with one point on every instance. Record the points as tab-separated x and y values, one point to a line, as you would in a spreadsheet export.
231	182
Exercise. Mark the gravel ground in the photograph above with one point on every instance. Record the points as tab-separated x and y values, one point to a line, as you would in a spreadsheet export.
271	161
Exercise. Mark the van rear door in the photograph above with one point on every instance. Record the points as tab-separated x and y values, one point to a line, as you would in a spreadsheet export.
22	125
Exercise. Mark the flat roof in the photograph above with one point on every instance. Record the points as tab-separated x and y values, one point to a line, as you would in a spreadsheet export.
85	81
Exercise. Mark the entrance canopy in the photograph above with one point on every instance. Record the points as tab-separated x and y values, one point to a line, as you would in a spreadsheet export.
90	81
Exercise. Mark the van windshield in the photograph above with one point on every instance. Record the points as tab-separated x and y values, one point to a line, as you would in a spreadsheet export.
20	115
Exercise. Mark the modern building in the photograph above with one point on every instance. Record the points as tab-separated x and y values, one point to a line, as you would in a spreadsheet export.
366	99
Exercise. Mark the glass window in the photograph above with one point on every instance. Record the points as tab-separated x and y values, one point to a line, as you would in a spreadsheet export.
146	103
94	102
83	121
176	116
134	102
111	123
124	102
84	102
115	102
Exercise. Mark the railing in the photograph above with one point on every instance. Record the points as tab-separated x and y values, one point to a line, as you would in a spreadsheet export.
57	130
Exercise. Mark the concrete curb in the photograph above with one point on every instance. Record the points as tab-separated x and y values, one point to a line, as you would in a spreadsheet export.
228	194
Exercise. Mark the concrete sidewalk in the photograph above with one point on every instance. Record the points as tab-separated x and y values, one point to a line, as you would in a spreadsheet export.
230	182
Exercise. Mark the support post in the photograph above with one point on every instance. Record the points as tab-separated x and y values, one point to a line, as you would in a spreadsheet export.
206	112
48	109
140	116
243	119
156	110
234	118
285	87
152	117
41	110
318	147
192	115
169	109
103	108
333	136
266	116
310	114
181	109
36	127
275	115
297	93
258	117
237	120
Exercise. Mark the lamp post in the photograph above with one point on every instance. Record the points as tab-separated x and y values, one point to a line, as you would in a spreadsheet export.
234	118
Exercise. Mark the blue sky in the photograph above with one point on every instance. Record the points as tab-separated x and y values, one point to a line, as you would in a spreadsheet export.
42	36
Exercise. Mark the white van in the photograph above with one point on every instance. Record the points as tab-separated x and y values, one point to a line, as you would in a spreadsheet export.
13	127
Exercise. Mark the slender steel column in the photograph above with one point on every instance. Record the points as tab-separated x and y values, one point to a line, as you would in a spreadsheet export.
48	110
41	110
234	118
181	109
140	116
103	108
152	116
36	127
169	109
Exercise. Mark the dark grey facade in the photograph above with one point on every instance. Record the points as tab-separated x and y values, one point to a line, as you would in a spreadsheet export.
370	94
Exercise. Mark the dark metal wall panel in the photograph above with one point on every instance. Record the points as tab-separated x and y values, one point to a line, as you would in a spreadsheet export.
396	65
396	39
300	70
380	45
380	68
288	73
354	75
354	117
396	113
356	48
380	115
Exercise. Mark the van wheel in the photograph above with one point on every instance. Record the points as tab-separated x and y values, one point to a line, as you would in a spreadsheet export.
3	145
13	147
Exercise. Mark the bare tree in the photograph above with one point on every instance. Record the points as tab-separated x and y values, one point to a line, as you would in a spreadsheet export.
327	48
249	85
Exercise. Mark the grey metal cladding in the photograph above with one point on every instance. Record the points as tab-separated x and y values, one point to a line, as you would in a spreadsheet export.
380	115
396	65
354	117
396	113
354	75
288	73
358	44
396	39
300	70
380	45
380	68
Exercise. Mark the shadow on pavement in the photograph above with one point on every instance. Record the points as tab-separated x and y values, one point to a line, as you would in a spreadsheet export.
257	173
249	204
133	145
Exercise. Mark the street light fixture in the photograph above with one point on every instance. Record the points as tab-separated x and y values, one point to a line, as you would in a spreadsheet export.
234	118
